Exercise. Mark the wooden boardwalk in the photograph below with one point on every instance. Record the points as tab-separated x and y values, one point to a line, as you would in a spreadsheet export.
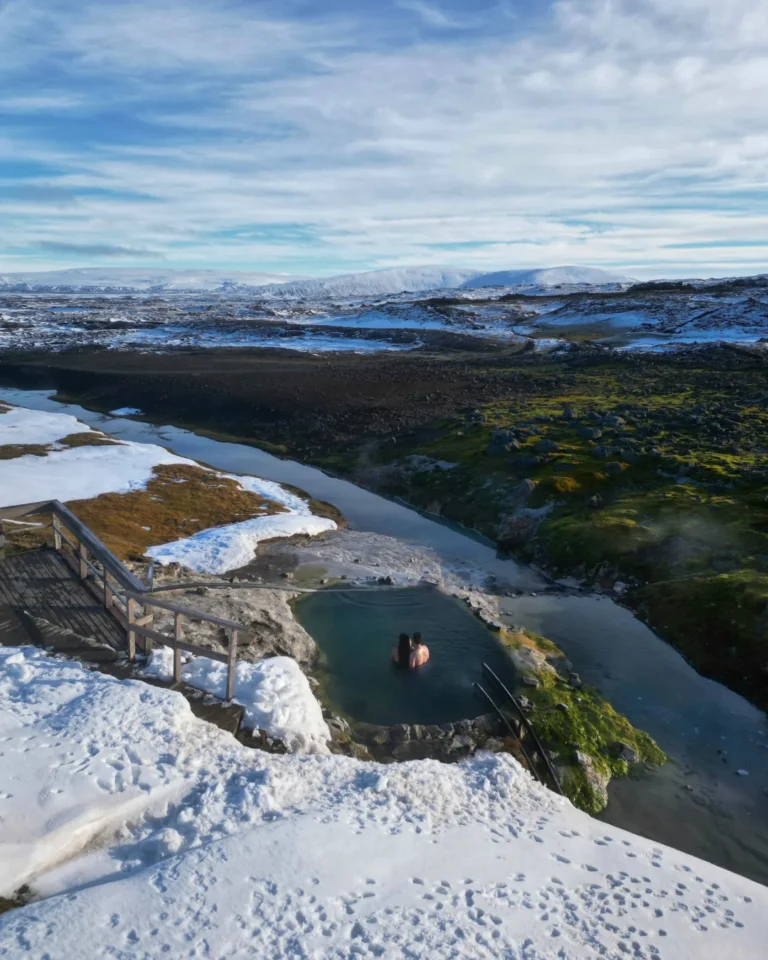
42	584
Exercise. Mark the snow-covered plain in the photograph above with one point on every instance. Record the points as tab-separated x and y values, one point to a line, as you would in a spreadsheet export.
149	833
70	473
145	280
84	472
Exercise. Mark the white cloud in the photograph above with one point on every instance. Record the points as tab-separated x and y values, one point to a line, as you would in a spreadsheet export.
612	131
429	13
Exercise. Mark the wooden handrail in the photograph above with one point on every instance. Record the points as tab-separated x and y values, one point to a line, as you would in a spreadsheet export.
134	594
149	601
84	536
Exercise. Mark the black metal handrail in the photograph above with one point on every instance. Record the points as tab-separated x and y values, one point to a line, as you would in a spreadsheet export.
550	770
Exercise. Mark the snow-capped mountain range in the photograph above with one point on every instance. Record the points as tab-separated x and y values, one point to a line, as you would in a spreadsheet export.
374	283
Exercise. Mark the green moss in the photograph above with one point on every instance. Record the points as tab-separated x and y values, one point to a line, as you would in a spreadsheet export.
572	721
678	503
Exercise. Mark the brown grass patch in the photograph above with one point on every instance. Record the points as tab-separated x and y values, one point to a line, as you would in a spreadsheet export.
565	484
178	501
95	439
10	451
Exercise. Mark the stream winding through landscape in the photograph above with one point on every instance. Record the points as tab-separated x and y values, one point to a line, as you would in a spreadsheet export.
698	802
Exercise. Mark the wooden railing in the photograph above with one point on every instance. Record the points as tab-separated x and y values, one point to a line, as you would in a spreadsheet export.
123	595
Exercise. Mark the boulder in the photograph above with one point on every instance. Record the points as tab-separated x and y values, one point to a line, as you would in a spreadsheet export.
628	753
514	531
614	467
418	732
598	782
400	733
524	462
601	452
546	446
521	493
531	682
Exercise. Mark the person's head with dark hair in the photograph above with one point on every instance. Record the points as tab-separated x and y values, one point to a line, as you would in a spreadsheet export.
404	650
417	639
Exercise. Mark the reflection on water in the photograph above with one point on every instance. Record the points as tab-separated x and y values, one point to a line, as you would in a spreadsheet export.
356	630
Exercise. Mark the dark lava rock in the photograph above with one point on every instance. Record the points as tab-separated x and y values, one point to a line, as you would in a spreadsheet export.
400	733
463	727
499	449
447	728
546	446
531	682
627	753
614	467
524	462
601	453
525	704
419	732
590	433
516	531
563	707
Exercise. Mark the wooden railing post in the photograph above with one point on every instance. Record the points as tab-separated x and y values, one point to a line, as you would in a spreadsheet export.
231	664
81	551
132	605
108	594
177	631
57	533
147	640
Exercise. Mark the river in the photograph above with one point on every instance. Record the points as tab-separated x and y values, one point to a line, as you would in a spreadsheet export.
698	803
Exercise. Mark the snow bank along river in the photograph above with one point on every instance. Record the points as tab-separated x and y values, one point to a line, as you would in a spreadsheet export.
148	833
698	802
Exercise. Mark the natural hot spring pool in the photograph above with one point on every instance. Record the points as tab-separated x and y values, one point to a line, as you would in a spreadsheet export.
356	630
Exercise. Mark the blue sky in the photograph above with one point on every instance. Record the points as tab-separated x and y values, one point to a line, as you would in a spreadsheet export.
322	137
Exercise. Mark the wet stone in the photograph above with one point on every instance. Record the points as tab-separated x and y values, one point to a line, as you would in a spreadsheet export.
400	733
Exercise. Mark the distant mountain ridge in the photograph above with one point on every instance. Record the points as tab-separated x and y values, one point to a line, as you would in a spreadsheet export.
546	277
143	280
368	284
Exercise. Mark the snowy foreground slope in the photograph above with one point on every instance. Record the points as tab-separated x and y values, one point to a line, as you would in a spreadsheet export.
149	833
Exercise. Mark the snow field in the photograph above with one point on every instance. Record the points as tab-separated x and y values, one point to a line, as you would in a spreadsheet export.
275	693
213	849
81	473
220	549
21	426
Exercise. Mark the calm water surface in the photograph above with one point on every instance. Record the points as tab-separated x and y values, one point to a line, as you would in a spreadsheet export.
356	630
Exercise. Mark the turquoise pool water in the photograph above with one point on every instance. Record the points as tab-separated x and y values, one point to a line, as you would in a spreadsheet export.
356	630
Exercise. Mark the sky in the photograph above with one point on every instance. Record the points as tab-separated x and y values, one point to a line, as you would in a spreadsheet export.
316	138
